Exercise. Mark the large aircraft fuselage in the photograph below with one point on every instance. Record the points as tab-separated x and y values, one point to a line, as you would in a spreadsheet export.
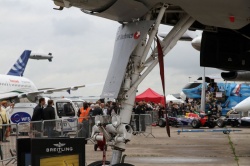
225	14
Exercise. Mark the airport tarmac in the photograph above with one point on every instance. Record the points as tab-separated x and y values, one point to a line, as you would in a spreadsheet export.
186	149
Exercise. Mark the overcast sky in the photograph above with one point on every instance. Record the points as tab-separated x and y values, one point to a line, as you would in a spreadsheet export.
82	47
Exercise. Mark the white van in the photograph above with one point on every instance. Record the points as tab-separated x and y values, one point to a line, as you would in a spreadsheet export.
65	110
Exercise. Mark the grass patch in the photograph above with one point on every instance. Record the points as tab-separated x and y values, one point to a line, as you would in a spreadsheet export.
233	149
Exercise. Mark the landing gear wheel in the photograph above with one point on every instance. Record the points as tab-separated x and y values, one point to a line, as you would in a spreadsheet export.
95	147
226	132
220	123
162	122
99	163
196	124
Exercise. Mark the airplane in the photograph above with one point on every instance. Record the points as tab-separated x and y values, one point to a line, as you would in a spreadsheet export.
19	67
42	57
13	86
224	44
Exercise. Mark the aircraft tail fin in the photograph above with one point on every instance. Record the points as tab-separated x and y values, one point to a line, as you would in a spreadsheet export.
20	65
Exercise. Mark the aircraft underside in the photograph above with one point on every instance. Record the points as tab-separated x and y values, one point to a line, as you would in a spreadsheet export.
225	24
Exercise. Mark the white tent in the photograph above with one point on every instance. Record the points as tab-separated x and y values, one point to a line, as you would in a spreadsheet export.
173	99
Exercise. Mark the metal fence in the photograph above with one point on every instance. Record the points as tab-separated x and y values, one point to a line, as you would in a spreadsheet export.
8	144
154	116
73	127
142	124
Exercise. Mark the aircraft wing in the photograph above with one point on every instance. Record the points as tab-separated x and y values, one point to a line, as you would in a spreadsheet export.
49	91
32	95
13	95
9	95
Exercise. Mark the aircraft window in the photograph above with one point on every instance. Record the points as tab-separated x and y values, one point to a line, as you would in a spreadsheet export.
191	85
65	109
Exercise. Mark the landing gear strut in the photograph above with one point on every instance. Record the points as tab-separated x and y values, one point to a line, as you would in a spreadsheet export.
138	67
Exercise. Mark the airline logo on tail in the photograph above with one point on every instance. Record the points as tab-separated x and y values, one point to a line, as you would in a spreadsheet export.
20	65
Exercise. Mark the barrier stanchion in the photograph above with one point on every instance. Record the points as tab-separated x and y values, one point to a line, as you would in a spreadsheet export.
8	144
142	124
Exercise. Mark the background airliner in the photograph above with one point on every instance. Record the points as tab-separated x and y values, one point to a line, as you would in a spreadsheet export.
13	86
19	67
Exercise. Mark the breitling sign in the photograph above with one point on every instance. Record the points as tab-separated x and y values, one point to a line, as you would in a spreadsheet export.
54	151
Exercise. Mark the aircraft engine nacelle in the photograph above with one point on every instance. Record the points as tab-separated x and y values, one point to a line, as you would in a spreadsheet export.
236	76
90	5
73	88
113	9
196	43
47	92
226	49
22	96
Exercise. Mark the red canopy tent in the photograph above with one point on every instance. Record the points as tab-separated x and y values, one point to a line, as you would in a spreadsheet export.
150	96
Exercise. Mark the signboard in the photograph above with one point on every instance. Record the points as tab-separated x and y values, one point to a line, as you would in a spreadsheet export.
52	151
58	151
20	117
219	94
23	152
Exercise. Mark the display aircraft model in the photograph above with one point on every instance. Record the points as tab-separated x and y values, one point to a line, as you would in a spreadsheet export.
19	67
225	44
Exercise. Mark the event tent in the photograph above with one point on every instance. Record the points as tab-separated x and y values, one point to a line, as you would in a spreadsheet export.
173	99
150	96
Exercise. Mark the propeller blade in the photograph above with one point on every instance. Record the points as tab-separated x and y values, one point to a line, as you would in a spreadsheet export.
161	65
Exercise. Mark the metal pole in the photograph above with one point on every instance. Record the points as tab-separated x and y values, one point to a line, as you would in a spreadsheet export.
203	92
153	32
61	128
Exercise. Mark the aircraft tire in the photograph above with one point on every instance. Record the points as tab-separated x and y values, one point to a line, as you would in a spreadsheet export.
196	124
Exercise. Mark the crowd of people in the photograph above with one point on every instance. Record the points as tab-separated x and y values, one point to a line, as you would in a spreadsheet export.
100	108
177	109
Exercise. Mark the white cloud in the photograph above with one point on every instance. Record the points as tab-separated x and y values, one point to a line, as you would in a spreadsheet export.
82	47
